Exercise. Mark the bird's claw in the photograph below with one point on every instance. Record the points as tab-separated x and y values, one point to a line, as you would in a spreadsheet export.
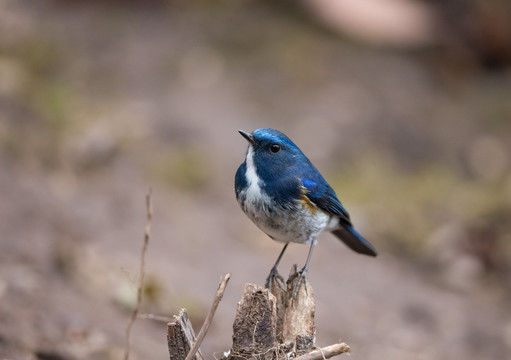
301	276
274	275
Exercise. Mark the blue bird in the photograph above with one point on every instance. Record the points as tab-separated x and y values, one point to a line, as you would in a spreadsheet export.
280	190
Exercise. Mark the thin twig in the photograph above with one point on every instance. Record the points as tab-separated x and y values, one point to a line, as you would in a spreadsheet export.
140	286
159	318
209	317
326	352
322	353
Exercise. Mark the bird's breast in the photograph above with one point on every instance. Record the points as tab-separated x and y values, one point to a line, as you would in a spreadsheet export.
294	222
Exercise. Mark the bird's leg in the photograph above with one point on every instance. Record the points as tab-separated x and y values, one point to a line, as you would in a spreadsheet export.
274	274
303	271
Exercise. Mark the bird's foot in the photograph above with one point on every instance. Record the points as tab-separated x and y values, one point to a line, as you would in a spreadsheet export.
274	276
301	277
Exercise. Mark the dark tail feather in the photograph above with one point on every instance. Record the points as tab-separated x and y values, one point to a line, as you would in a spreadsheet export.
354	240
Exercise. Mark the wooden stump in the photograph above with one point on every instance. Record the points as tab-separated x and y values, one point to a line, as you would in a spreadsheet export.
268	326
180	337
255	325
295	318
273	325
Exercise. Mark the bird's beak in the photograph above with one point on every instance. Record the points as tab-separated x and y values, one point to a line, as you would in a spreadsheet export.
247	136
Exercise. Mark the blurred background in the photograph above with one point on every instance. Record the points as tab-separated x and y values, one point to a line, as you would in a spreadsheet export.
403	105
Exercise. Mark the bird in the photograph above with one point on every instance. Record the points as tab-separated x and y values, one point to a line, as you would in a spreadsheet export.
286	197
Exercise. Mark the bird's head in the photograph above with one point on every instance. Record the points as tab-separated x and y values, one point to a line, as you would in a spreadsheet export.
271	151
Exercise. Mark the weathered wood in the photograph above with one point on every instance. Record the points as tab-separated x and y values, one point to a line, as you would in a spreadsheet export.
181	337
255	325
326	352
268	325
274	325
295	317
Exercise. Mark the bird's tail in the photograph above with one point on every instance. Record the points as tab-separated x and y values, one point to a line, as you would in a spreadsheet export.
354	240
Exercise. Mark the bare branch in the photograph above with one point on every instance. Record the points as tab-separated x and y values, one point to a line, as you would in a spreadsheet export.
326	352
209	317
159	318
140	286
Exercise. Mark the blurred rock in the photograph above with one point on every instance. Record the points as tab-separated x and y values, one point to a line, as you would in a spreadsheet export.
470	33
477	32
381	22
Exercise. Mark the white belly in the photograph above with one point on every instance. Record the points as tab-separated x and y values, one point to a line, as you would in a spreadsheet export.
291	224
300	226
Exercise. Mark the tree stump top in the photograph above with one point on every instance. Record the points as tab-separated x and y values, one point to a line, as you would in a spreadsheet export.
274	325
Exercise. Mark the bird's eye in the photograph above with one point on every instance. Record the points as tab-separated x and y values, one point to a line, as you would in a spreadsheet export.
275	148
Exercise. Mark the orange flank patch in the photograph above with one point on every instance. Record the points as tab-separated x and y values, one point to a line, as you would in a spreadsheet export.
306	201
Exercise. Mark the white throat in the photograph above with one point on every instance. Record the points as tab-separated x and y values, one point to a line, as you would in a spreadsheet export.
254	182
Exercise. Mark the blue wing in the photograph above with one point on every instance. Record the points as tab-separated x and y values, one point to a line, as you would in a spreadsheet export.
324	197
